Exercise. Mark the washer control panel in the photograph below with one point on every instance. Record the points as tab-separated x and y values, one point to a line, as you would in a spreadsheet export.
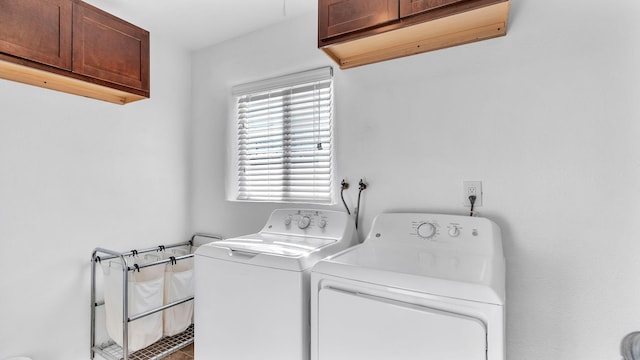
307	222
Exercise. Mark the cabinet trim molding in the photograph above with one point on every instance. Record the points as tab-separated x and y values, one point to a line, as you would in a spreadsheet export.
47	79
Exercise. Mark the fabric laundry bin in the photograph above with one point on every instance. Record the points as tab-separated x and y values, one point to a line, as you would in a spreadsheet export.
178	285
145	292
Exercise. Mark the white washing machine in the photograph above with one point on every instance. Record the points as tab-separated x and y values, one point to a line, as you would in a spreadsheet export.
252	292
421	286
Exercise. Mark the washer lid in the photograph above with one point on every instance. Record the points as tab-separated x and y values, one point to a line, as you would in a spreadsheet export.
292	239
278	251
276	245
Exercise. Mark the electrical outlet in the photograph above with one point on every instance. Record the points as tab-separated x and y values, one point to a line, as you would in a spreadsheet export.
472	188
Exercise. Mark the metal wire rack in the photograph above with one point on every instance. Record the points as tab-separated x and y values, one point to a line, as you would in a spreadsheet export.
158	350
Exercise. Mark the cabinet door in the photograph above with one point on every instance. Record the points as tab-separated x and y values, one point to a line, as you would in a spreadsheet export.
108	48
342	16
37	30
411	7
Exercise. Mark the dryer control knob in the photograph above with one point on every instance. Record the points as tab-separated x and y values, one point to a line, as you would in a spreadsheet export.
426	230
322	223
304	222
287	220
454	231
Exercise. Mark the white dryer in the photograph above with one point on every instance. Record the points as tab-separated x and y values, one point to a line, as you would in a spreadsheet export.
421	286
252	292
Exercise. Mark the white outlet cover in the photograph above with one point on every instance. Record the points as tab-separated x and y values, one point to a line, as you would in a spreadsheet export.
472	188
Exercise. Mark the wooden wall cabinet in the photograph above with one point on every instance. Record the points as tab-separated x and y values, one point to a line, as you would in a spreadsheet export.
359	32
71	46
344	16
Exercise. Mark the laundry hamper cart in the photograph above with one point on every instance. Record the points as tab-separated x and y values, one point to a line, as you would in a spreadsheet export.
134	300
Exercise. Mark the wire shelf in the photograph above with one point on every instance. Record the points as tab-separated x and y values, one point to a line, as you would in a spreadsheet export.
158	350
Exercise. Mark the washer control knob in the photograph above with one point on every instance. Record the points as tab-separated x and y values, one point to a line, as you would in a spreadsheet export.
304	222
322	223
426	230
287	220
454	231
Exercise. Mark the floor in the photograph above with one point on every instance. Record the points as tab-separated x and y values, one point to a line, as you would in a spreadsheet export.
185	353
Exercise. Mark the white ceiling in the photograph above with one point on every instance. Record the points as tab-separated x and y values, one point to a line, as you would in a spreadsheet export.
199	23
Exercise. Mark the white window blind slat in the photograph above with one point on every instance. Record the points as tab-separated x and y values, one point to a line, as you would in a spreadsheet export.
267	143
259	134
275	173
321	97
277	159
300	177
284	138
309	169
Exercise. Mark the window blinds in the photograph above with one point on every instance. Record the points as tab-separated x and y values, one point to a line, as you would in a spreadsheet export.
284	138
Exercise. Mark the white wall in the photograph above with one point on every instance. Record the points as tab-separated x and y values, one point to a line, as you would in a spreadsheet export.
75	174
546	117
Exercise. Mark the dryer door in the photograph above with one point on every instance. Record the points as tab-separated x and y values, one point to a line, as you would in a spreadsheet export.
355	326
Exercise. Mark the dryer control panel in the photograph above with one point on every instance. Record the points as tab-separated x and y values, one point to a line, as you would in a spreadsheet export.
307	222
434	231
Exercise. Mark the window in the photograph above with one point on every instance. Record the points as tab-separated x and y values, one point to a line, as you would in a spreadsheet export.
284	138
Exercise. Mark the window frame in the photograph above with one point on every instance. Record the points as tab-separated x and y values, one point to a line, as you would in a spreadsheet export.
290	81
